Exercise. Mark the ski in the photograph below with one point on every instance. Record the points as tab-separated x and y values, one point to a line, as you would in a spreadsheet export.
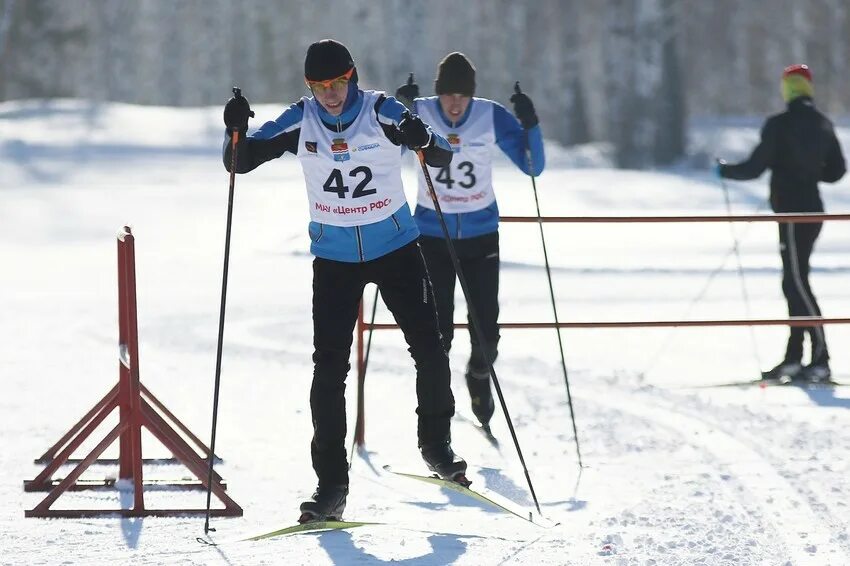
764	383
488	434
743	383
309	527
483	429
478	496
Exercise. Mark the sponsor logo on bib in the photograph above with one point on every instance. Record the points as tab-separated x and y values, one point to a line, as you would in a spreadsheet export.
310	146
339	149
454	141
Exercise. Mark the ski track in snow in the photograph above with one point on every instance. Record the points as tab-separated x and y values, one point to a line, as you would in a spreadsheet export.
785	503
811	526
812	504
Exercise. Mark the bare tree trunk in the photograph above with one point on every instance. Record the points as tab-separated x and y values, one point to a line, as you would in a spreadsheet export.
589	66
741	34
838	27
670	135
8	9
799	31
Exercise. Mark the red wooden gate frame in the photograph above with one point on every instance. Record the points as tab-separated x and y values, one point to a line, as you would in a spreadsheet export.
137	407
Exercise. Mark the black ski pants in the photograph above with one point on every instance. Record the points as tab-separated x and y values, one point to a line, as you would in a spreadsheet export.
406	290
796	242
479	260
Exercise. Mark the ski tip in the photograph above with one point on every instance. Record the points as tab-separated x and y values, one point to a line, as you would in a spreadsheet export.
491	438
542	521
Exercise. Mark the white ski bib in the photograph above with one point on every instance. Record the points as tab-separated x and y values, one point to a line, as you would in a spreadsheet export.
353	177
466	184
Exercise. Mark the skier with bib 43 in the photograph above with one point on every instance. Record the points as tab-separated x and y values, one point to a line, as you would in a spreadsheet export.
349	144
474	127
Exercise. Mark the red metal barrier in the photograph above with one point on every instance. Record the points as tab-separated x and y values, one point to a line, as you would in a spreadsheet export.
793	321
360	424
782	218
137	407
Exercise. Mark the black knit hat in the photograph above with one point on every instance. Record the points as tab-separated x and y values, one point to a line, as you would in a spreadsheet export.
455	75
327	59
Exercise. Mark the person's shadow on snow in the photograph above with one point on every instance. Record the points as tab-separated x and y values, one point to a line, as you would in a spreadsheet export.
825	397
445	549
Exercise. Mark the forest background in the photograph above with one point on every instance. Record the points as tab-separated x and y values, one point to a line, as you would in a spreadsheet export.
628	73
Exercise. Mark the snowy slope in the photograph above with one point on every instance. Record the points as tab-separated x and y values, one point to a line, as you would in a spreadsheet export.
674	474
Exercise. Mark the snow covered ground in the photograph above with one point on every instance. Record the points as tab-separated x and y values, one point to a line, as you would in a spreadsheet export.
674	473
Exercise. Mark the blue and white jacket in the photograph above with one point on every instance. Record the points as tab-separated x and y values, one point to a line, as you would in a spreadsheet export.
510	137
351	243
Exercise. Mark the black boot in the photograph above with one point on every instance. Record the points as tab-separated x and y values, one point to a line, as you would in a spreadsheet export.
785	371
817	373
483	406
327	504
441	459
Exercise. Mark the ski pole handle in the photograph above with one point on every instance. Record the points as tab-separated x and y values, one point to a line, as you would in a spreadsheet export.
518	90
234	138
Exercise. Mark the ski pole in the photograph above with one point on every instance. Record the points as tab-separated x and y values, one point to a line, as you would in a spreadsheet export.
234	139
551	287
473	318
735	247
665	343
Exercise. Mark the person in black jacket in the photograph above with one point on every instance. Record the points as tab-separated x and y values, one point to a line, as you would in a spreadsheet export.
800	148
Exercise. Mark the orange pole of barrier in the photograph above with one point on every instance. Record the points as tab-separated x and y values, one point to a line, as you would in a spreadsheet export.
793	321
360	426
782	218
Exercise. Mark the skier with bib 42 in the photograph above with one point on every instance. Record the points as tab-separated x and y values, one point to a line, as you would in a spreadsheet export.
474	127
348	142
800	148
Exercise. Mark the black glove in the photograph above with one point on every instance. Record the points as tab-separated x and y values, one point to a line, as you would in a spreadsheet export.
524	108
414	133
407	92
236	112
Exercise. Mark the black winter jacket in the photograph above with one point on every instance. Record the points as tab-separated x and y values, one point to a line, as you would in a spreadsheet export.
800	148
